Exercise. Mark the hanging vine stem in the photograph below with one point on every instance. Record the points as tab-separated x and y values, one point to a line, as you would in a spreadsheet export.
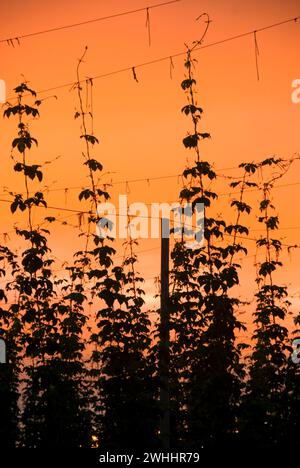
24	137
22	143
241	207
43	317
132	257
238	216
195	116
265	207
203	318
208	21
271	223
192	141
100	255
94	193
185	268
269	367
89	139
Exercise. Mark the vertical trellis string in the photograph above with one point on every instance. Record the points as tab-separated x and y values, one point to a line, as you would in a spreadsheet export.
86	93
256	54
148	25
171	67
11	42
134	74
92	104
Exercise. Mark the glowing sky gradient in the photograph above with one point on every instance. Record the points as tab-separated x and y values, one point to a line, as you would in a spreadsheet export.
140	125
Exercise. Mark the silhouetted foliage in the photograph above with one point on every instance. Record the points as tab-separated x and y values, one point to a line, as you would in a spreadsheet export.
80	379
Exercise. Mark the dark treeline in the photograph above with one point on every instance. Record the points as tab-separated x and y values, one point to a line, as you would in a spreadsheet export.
73	379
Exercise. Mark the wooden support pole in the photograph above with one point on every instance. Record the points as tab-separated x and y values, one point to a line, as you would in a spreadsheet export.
2	351
164	338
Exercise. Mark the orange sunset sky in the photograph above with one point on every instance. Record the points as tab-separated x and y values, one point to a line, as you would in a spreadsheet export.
140	125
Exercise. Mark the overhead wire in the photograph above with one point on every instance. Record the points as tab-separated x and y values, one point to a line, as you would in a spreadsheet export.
112	183
167	58
17	38
148	217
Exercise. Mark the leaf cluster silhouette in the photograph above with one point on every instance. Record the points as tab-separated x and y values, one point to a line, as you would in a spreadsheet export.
74	379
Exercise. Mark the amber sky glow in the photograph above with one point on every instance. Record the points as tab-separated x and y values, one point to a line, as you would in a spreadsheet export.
140	125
